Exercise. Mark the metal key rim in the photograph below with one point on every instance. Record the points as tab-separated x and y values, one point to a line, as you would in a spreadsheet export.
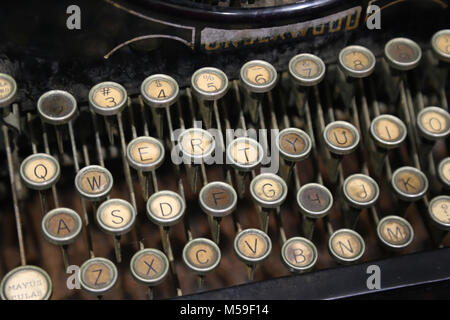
97	196
195	157
403	66
206	95
159	103
384	143
197	270
314	214
357	73
289	156
371	181
343	259
68	239
401	221
27	267
145	167
110	265
307	82
342	150
263	87
250	260
240	166
267	203
154	281
295	268
439	224
218	212
441	55
6	101
40	185
110	111
165	222
115	231
57	120
426	133
408	197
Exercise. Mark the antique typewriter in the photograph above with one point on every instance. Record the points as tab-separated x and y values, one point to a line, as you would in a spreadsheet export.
224	149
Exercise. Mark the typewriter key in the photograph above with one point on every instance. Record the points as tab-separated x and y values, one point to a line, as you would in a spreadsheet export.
409	183
244	154
268	191
57	107
314	200
209	83
145	153
40	171
395	232
107	98
306	69
444	172
94	182
14	284
433	123
439	211
299	254
346	246
159	90
388	131
357	61
258	76
8	90
252	247
149	267
341	137
441	45
116	217
165	208
201	256
402	54
97	276
197	145
360	191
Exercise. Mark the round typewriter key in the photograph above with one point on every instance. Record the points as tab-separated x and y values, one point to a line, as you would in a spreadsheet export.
201	255
159	90
444	171
209	83
8	90
395	232
433	123
341	137
218	199
258	76
61	226
149	267
268	190
314	200
357	61
107	98
439	211
409	183
196	145
441	45
165	208
346	246
299	254
307	69
294	144
145	153
97	276
116	216
402	54
57	107
26	283
252	246
244	154
388	131
361	191
40	171
94	182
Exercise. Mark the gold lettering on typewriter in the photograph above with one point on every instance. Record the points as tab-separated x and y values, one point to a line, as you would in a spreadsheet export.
165	206
149	266
443	43
356	60
116	215
441	210
40	170
306	68
245	153
145	152
195	143
5	88
387	130
108	97
434	122
61	225
217	198
160	89
268	189
360	190
315	199
292	143
201	255
409	182
252	245
299	254
402	52
97	275
94	182
26	284
340	136
258	74
209	82
346	245
394	232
